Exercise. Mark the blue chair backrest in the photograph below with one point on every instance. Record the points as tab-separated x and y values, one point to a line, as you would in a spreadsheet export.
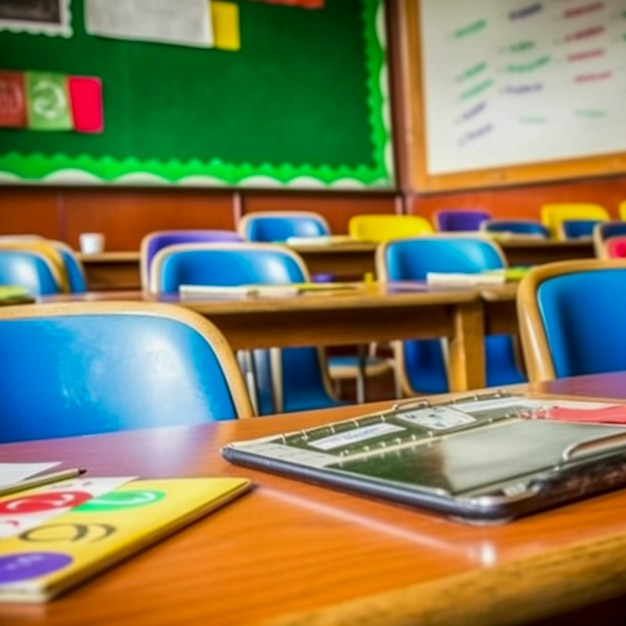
80	374
413	259
249	264
583	317
272	228
520	227
29	270
461	219
611	229
75	275
573	229
238	265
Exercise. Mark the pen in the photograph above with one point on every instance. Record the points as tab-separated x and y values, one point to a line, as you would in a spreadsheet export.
39	481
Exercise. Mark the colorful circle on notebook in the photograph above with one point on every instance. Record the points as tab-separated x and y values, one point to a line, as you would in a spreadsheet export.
117	500
26	565
39	502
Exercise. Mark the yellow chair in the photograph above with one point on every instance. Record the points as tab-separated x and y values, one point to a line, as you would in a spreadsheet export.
622	210
552	215
45	249
381	228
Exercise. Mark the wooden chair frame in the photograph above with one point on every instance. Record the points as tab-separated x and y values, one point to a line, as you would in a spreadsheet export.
537	355
198	323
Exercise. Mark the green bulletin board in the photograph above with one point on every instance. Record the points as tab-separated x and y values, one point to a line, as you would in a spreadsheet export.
303	104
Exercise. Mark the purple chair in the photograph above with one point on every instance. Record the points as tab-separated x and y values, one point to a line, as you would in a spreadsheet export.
153	242
448	220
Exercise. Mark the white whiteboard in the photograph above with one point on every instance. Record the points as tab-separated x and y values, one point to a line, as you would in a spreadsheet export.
513	82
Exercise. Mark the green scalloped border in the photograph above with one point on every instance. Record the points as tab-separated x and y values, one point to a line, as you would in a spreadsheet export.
37	167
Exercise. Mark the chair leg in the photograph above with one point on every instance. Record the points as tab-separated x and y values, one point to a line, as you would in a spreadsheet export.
360	379
248	367
276	368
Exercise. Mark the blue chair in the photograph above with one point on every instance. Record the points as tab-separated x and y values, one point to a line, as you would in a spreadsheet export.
305	384
155	241
575	229
76	281
571	317
448	220
516	227
278	226
30	270
421	364
86	368
603	231
66	267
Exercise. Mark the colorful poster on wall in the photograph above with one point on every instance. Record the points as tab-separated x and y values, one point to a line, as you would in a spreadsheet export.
12	100
306	4
51	102
52	17
225	19
179	22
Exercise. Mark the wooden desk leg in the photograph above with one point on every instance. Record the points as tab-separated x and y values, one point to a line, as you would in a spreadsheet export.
467	348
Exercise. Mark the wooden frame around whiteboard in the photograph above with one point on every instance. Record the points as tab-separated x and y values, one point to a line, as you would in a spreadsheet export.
416	137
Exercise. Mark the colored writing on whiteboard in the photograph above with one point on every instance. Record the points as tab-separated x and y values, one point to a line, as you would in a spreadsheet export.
583	10
521	46
591	113
586	33
590	78
523	89
473	112
528	67
478	89
527	11
470	29
533	119
587	54
472	71
476	134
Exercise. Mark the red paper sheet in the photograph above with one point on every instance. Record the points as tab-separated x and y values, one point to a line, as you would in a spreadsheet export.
86	101
12	100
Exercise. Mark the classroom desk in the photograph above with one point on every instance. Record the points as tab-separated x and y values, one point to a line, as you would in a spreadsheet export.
294	554
111	270
120	270
535	251
379	313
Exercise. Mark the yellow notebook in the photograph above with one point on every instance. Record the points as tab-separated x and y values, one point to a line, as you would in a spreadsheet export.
49	559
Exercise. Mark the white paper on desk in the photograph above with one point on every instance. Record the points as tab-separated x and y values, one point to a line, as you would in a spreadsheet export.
11	473
320	240
182	22
469	280
238	291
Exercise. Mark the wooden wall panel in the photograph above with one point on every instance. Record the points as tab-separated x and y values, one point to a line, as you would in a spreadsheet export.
525	202
336	208
126	215
24	210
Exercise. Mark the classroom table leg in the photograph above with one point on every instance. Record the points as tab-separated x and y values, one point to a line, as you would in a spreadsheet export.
467	348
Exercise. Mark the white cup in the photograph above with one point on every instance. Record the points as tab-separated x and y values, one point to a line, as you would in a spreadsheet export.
91	243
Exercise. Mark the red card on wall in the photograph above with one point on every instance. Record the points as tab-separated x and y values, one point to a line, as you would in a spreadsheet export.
86	103
306	4
12	100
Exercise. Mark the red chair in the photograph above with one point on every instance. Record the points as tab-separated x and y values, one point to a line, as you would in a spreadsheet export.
616	247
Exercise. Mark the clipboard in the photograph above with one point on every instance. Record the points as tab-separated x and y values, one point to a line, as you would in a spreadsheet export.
482	459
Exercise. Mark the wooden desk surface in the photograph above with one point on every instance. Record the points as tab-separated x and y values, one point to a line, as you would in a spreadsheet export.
291	553
376	313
